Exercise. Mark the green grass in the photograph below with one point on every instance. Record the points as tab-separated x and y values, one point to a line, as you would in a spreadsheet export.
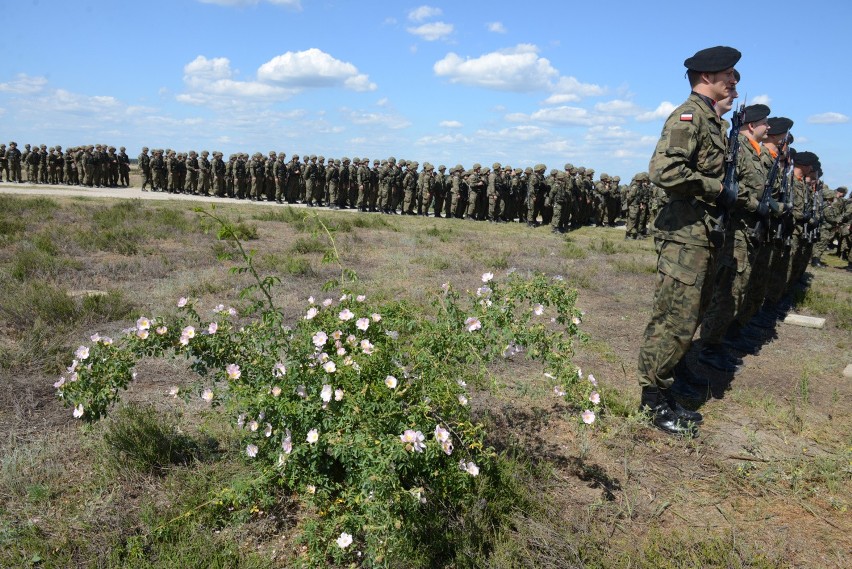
288	264
144	440
635	265
302	246
832	304
572	250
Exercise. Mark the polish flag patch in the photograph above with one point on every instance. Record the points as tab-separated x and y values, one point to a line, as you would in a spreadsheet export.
686	117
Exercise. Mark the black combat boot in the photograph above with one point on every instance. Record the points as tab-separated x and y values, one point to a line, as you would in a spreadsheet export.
662	415
715	356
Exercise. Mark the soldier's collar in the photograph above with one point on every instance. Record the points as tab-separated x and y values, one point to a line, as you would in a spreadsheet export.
710	102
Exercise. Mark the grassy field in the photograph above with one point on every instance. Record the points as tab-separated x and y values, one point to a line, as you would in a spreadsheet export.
162	483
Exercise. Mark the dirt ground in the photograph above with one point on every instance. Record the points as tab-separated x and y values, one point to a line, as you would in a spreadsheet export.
771	469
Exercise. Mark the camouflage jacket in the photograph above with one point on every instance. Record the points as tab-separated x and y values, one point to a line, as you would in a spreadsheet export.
689	164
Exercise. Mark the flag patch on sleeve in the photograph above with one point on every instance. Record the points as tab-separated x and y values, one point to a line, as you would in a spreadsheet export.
686	117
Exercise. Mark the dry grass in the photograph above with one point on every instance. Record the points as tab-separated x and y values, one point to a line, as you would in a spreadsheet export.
768	483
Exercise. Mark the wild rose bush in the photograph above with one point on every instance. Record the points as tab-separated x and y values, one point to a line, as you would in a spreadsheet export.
362	410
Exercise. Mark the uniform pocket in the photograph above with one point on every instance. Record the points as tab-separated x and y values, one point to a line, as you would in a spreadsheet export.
671	262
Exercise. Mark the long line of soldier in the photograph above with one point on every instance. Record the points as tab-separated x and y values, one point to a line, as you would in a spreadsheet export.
95	165
563	200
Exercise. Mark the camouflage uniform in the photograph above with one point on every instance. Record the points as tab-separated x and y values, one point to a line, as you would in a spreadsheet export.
205	172
144	163
689	164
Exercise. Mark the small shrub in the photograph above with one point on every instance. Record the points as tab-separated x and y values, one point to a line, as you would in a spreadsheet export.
573	251
147	441
30	262
303	246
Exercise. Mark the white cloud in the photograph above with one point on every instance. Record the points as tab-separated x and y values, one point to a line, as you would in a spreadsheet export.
210	82
561	99
23	84
313	68
563	115
662	111
827	118
450	124
617	107
383	102
518	69
432	31
422	13
761	99
364	118
496	27
571	85
294	4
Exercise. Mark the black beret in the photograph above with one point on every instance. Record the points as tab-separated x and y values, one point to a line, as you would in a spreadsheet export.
756	113
841	189
806	158
779	125
713	59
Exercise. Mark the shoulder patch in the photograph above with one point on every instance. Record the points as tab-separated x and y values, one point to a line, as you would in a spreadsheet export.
686	117
679	137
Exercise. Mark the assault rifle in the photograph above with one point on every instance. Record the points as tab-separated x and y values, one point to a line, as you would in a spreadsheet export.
730	185
761	227
782	231
818	201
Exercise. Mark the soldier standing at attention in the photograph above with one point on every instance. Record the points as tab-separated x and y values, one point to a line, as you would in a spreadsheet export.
124	167
144	162
13	155
689	164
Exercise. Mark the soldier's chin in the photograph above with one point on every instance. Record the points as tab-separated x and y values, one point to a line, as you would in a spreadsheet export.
732	93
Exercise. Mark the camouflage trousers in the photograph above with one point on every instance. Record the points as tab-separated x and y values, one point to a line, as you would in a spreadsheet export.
146	178
779	264
684	288
800	257
333	192
757	284
474	206
825	238
496	204
560	215
384	200
192	182
410	201
735	268
458	204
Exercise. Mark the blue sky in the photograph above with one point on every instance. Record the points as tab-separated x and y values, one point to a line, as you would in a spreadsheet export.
445	82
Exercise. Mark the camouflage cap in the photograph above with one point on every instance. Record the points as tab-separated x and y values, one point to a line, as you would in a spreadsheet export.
391	160
554	171
413	164
204	153
539	168
345	159
295	157
590	171
604	176
442	167
518	171
458	168
272	154
616	178
402	161
122	148
581	170
569	166
476	166
376	162
496	166
356	160
337	161
25	145
313	157
321	159
528	170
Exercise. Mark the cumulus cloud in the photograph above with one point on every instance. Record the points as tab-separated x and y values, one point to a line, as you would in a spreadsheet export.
294	4
572	86
617	107
432	31
662	111
209	79
450	124
23	84
313	68
563	115
828	118
518	69
761	99
496	27
422	13
561	99
365	118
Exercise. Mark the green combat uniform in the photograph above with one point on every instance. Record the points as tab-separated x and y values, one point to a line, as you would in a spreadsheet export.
689	164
